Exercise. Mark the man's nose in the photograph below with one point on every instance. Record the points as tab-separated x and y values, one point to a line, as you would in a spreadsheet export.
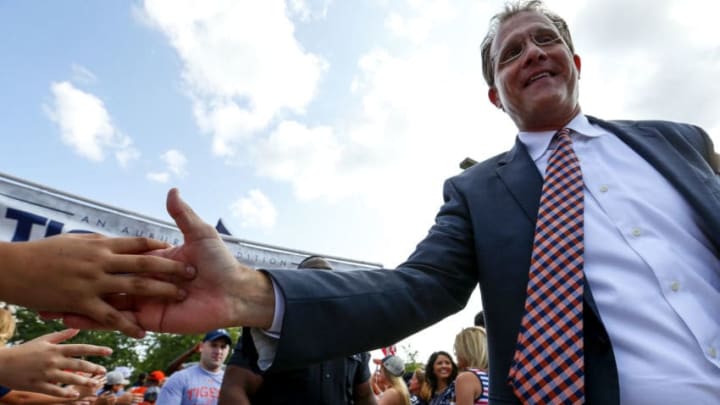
533	52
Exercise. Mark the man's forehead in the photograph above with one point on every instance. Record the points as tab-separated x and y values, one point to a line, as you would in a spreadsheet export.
519	24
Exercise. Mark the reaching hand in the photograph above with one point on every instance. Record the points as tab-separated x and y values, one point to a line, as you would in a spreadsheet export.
72	273
106	398
129	398
87	394
40	364
224	293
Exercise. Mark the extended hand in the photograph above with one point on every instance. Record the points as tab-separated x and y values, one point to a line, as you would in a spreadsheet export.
72	273
41	364
224	293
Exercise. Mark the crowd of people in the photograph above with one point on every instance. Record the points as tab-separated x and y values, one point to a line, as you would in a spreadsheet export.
594	243
444	380
32	374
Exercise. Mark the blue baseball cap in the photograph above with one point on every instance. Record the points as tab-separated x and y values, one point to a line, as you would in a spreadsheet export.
217	334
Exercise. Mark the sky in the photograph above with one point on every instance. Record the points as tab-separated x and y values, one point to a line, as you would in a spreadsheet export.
321	125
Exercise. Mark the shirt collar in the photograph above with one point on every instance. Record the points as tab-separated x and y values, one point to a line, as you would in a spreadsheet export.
538	142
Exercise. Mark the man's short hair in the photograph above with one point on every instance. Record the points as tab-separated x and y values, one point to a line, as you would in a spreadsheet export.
512	9
315	262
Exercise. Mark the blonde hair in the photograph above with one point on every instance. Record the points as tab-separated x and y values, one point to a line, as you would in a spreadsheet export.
398	383
7	325
424	391
471	346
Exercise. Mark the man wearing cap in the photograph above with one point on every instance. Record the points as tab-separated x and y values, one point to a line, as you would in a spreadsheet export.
199	384
340	381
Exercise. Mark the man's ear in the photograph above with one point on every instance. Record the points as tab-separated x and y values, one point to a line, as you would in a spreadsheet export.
577	62
494	97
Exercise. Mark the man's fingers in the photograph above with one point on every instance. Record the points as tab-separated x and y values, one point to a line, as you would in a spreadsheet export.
190	224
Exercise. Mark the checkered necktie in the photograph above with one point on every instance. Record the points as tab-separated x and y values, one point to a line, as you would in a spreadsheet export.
548	366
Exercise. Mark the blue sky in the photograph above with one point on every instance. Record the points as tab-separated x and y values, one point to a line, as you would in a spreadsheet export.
326	126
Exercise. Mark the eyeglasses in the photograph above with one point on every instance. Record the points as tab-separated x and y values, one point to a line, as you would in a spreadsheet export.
512	50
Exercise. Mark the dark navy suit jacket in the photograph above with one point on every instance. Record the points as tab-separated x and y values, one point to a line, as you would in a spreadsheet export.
482	234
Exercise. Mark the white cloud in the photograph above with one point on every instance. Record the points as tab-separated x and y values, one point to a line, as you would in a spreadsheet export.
410	130
126	153
417	107
418	20
241	63
653	63
175	165
309	158
158	177
86	126
255	211
307	10
175	161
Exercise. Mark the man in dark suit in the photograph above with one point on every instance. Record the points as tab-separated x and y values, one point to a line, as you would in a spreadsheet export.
344	380
650	330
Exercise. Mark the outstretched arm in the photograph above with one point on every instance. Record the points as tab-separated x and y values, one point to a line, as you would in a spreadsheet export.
71	273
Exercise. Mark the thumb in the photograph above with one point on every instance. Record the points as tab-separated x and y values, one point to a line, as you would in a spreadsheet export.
190	224
57	337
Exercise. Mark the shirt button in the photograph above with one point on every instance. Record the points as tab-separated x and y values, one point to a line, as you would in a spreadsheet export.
636	232
675	286
712	352
604	188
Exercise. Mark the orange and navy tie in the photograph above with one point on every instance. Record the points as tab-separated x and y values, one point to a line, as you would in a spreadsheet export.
548	366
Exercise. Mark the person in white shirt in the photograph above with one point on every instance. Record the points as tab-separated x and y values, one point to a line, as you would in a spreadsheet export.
199	384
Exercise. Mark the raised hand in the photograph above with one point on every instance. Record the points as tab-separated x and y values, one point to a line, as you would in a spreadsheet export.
224	293
72	273
39	365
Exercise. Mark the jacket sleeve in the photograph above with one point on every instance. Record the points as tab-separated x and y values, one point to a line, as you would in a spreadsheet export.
335	314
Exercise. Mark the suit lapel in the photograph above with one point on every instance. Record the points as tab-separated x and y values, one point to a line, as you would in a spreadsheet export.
680	164
521	177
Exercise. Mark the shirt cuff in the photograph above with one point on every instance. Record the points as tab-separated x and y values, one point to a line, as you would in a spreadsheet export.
266	340
276	326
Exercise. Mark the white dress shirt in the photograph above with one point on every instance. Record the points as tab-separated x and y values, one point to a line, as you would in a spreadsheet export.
653	274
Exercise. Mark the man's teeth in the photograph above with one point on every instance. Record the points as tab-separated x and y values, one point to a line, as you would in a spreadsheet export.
541	75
